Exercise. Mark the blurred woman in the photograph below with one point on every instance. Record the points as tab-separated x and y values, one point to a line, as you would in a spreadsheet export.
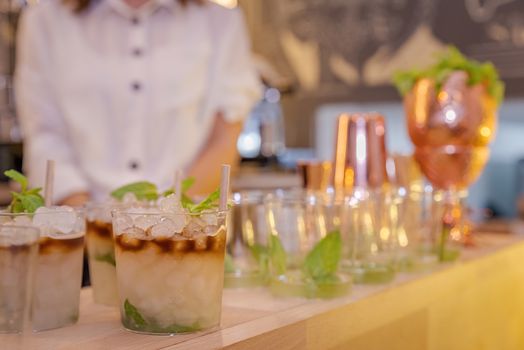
117	91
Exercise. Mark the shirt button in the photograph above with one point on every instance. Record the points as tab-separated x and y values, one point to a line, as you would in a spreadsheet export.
136	86
137	52
133	165
135	21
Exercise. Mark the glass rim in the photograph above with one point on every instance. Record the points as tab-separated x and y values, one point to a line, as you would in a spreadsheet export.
20	227
307	199
159	212
76	210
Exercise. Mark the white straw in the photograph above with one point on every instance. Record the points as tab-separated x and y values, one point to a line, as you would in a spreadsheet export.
178	184
224	186
49	181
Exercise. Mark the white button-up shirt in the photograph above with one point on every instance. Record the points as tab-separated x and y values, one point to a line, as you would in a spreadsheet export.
116	95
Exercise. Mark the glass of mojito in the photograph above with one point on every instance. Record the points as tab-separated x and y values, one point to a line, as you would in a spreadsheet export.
305	247
101	252
59	269
18	253
246	263
170	266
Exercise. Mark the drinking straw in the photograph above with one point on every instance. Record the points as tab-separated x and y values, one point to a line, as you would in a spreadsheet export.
224	186
49	181
178	184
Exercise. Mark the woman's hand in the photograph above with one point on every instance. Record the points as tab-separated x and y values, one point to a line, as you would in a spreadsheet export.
76	199
220	149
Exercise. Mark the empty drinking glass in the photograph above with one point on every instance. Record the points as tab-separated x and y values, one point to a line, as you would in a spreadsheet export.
305	247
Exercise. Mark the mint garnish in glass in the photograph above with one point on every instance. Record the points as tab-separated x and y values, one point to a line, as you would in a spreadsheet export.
448	62
27	200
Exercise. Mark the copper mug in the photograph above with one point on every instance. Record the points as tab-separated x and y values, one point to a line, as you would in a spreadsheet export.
315	174
360	151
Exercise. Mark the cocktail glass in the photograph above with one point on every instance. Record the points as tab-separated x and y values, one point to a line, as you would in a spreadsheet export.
18	253
246	263
170	269
370	231
58	277
101	252
305	248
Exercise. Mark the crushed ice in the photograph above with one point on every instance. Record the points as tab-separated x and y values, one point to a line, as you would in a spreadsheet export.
60	219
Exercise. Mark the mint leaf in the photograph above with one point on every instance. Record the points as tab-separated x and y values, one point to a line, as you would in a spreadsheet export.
322	261
31	202
277	255
179	329
142	190
259	252
133	315
187	183
186	201
208	203
184	198
448	62
261	255
107	258
28	200
18	177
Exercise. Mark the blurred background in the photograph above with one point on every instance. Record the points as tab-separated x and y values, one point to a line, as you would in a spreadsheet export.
319	58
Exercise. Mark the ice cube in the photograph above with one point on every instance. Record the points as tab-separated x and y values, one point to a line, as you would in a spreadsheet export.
200	242
209	218
133	237
211	230
61	219
193	228
179	222
164	229
170	204
122	223
135	232
146	221
23	220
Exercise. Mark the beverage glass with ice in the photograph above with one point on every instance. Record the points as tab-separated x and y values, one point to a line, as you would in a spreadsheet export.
58	277
101	252
170	268
18	252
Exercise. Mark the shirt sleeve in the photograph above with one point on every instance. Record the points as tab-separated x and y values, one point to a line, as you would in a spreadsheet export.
238	87
43	126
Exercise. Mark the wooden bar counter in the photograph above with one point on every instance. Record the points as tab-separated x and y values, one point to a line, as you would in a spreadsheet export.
476	303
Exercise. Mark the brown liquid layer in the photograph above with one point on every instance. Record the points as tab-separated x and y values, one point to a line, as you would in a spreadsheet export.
16	249
202	244
49	245
99	228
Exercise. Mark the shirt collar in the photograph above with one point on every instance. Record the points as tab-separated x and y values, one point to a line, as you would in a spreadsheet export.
125	10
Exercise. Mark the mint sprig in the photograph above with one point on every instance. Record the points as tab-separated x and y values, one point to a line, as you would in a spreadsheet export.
132	314
450	61
277	255
133	319
27	200
143	190
322	261
210	202
261	255
187	183
185	200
